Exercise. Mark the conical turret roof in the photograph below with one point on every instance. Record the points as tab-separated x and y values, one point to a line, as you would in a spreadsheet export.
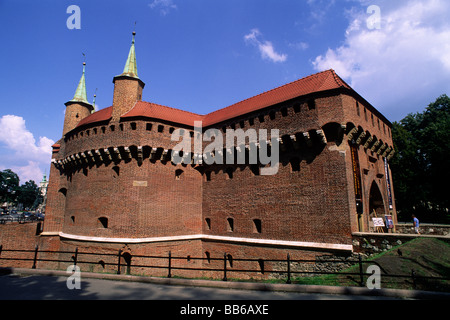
80	93
130	69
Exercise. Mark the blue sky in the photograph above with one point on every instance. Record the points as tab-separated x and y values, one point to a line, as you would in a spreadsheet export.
202	55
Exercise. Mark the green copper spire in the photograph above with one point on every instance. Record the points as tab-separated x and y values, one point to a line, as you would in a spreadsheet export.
130	69
93	102
80	94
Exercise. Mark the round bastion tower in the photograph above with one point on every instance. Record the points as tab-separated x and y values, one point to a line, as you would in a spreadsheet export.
112	178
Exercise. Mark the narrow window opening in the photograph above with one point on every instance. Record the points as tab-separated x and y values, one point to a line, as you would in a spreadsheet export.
208	256
257	227
63	191
230	260
178	174
112	128
103	222
72	219
261	265
160	128
116	170
208	223
311	104
230	227
133	125
148	127
208	175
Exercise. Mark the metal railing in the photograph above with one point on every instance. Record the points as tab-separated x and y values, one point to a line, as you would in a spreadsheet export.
223	265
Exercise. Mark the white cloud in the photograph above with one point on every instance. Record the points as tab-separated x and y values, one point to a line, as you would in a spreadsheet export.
319	12
265	47
30	171
28	155
406	60
301	46
164	6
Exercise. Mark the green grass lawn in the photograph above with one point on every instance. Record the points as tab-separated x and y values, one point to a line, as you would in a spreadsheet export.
428	257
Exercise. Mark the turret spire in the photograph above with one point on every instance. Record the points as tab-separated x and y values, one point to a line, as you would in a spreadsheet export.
80	94
78	108
130	69
93	102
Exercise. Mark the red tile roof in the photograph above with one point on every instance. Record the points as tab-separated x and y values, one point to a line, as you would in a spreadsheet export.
99	116
156	111
322	81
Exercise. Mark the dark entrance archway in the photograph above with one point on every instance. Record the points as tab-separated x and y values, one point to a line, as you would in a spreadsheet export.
126	256
376	203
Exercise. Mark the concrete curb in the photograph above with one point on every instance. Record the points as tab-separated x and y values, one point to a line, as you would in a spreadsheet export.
389	293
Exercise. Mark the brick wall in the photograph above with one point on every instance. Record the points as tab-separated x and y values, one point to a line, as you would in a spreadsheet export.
126	92
305	205
138	201
15	236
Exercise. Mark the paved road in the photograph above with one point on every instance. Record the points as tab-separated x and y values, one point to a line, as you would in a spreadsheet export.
38	287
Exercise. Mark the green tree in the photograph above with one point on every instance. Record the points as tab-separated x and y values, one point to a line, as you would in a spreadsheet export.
27	194
9	184
420	166
435	138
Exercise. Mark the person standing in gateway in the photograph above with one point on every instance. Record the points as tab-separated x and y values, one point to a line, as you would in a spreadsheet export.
416	224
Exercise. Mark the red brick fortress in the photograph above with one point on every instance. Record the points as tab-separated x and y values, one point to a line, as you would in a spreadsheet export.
113	182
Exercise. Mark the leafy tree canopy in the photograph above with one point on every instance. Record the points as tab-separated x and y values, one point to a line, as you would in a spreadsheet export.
420	167
12	193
